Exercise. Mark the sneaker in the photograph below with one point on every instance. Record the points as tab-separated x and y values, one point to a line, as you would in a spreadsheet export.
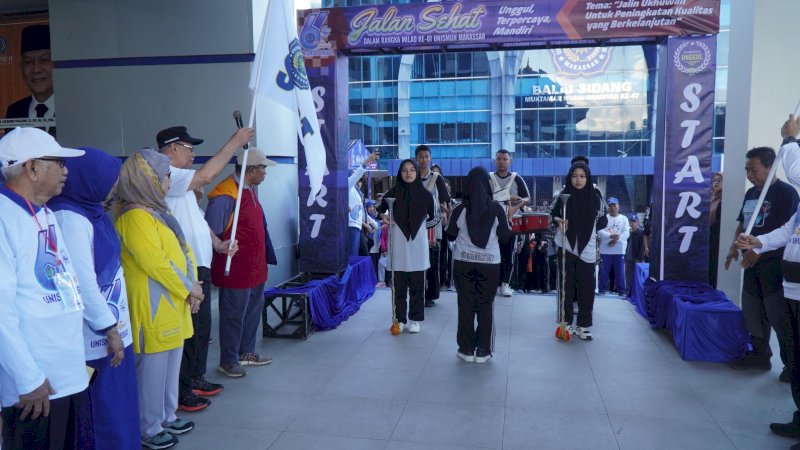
178	426
401	325
201	386
161	440
751	361
466	355
505	290
572	330
790	429
254	359
481	356
193	403
233	370
413	326
430	303
785	376
583	333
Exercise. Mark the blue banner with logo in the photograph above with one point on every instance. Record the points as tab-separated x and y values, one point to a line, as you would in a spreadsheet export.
683	162
323	224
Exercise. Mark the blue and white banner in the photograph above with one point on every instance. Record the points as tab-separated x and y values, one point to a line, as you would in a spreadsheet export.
323	223
279	73
683	164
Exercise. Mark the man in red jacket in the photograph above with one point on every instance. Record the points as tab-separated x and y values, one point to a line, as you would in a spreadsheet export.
241	292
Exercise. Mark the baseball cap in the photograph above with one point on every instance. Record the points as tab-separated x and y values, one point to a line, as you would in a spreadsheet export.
255	157
175	134
35	37
613	201
633	218
25	144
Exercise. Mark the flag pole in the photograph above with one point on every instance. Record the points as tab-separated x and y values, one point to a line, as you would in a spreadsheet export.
765	188
259	58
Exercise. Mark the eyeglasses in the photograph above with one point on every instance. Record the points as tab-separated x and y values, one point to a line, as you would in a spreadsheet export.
58	161
191	149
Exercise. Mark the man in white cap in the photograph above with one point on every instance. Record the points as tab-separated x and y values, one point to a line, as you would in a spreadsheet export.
42	364
178	145
241	292
613	243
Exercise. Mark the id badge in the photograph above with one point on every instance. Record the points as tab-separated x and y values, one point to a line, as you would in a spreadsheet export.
68	290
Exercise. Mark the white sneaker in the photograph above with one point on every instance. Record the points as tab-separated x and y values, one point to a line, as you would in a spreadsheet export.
465	357
413	326
401	325
584	333
505	290
483	359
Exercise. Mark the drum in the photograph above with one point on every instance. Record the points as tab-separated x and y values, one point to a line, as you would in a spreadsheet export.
516	224
530	222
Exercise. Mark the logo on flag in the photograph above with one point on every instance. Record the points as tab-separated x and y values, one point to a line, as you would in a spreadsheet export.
295	69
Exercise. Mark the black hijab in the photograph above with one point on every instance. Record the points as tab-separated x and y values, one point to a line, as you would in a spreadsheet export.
412	202
479	206
582	209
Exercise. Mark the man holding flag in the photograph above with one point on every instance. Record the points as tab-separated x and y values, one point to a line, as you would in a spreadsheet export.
241	292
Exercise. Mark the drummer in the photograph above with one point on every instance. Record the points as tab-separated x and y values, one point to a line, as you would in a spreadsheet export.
510	190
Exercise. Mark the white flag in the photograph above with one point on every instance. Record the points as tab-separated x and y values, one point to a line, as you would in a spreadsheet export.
279	73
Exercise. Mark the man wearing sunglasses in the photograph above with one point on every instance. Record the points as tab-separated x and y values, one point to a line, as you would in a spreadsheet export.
179	146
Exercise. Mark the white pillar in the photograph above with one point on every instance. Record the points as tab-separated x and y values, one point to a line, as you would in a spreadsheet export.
763	88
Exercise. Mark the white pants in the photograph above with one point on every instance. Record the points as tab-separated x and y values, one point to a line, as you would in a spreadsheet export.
157	380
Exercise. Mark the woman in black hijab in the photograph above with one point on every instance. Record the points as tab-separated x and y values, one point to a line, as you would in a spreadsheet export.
477	226
408	241
585	215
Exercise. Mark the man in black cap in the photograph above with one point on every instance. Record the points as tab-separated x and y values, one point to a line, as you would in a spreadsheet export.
178	145
37	72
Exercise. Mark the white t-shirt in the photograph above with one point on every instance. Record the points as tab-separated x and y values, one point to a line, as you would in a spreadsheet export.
408	256
468	252
183	204
616	225
112	299
38	338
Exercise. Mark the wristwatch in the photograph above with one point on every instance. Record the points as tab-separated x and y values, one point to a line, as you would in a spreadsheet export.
788	139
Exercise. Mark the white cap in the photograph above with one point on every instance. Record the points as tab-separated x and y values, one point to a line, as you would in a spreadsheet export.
24	144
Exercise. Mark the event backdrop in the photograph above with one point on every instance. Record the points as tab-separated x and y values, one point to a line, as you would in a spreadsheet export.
683	164
327	36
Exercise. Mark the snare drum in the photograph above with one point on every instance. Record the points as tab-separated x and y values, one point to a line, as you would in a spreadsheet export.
534	222
517	223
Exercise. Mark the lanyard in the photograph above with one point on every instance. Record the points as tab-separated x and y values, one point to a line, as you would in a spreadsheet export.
47	232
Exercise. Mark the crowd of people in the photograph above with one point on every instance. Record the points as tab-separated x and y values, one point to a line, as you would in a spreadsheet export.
109	266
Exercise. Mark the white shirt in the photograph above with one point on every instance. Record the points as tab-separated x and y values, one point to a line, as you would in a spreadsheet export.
616	225
111	300
468	252
183	204
38	339
405	255
355	202
51	107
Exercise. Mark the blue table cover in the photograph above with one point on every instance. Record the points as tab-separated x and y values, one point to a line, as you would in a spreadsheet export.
334	299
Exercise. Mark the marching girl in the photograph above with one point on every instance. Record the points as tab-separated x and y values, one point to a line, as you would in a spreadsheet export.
576	237
477	226
409	255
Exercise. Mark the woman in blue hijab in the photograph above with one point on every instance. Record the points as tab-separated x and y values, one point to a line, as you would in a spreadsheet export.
110	417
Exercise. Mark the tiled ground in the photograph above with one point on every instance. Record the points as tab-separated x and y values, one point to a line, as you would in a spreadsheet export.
358	387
